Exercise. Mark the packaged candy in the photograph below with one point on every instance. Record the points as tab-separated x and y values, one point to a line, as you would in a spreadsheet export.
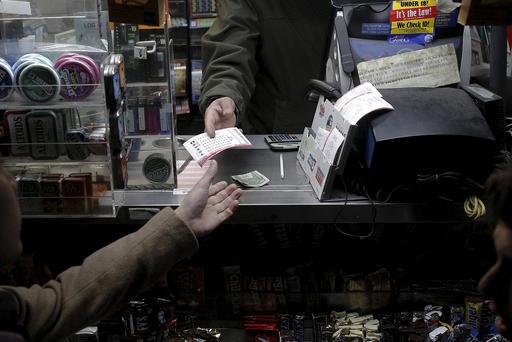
439	334
77	77
75	139
6	81
42	128
456	315
37	82
298	327
479	314
17	132
74	191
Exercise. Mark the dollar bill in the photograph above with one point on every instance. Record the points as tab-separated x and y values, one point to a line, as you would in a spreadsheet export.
253	179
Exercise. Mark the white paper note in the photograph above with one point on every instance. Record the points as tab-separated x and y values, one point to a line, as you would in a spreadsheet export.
324	115
432	67
321	136
332	145
360	101
201	147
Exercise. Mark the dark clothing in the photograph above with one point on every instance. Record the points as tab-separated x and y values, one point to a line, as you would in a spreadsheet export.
262	53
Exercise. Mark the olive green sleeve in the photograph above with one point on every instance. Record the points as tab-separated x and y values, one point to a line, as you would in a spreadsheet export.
229	54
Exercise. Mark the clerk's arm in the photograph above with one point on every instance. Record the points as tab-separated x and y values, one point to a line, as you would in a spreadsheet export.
229	64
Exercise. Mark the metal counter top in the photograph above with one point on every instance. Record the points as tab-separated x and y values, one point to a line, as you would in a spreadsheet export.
291	200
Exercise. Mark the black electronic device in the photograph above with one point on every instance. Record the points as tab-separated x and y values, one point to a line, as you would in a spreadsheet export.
433	134
283	141
281	138
493	109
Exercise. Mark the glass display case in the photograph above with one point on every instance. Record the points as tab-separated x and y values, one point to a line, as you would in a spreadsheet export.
66	126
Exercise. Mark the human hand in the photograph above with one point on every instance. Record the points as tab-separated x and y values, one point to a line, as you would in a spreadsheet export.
7	181
206	206
10	242
219	114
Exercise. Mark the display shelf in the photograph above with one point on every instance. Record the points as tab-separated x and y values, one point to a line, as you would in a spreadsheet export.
143	84
42	207
61	161
96	99
61	119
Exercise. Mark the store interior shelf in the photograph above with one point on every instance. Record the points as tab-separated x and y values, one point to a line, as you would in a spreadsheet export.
95	100
57	17
62	161
145	85
102	212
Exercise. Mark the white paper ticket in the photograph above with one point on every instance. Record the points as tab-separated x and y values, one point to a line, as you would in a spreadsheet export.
201	147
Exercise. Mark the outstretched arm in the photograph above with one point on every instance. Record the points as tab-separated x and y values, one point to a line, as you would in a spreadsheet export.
113	275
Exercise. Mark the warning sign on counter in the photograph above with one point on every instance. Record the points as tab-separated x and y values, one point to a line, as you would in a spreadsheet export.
413	17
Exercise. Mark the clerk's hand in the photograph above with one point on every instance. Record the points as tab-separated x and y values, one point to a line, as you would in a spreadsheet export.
219	114
206	206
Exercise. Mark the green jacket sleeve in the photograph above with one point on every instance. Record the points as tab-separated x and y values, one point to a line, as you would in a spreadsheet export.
106	280
229	54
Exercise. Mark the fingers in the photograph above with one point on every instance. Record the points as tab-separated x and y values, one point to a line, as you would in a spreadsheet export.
9	179
227	105
207	178
222	195
215	188
219	114
225	203
228	212
209	120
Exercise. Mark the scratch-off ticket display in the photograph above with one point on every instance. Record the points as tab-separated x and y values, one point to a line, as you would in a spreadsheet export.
412	21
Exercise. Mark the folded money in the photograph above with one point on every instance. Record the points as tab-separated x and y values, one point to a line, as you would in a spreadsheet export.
253	179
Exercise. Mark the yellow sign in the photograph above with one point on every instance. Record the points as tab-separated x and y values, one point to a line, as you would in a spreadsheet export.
399	5
413	26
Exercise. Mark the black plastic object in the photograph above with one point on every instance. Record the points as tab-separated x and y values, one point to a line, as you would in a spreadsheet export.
315	88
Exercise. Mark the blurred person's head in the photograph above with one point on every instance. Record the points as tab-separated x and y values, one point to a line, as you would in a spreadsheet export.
10	219
497	282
